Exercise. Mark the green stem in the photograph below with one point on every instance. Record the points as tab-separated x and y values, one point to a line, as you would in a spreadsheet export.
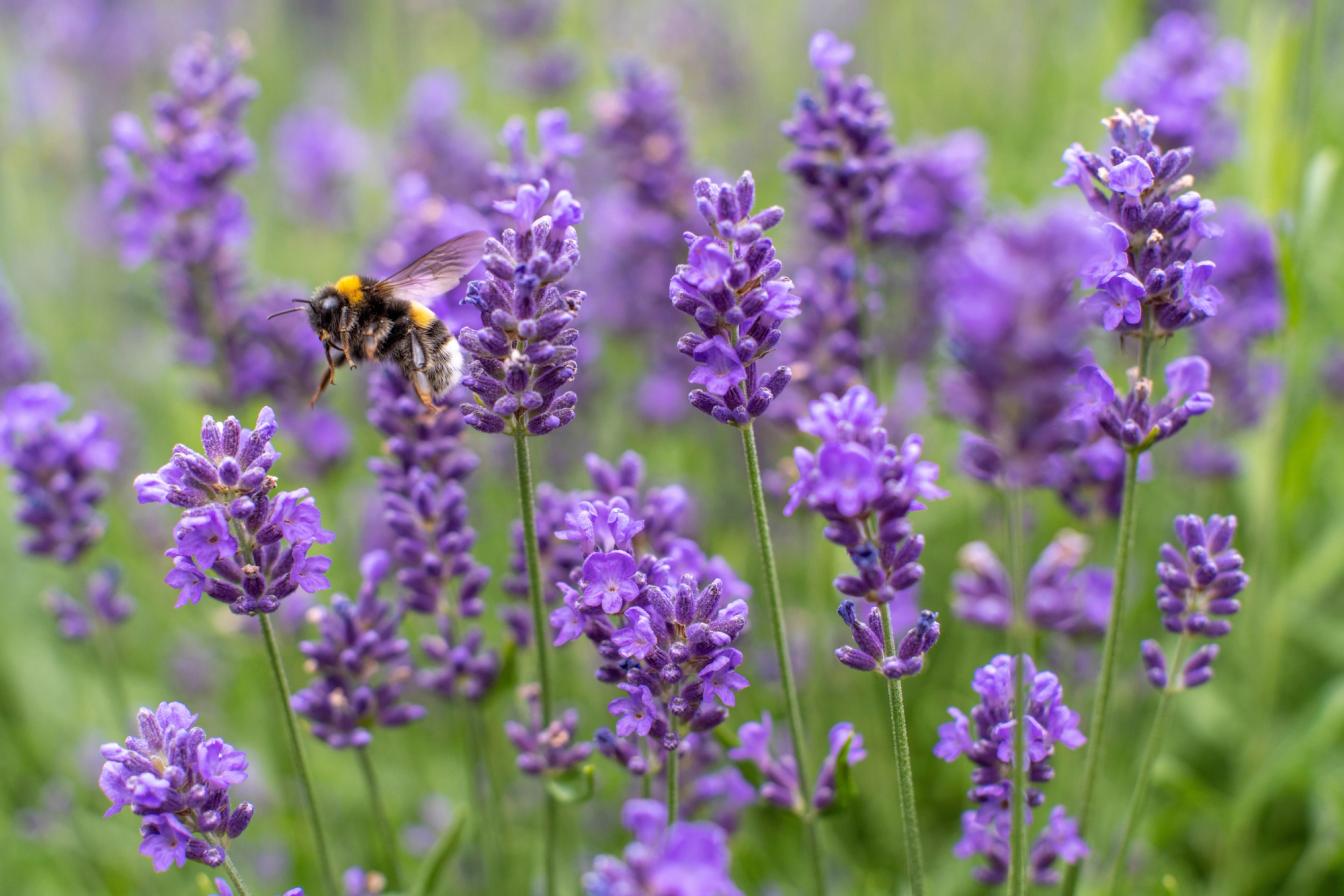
296	751
487	798
235	880
1016	522
1124	545
386	835
900	739
1140	796
782	649
673	782
526	502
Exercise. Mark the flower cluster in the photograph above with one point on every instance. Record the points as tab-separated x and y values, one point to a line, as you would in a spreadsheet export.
546	749
524	355
1180	73
172	194
684	857
779	771
865	487
1154	223
438	148
104	603
663	639
870	653
986	739
55	470
938	186
734	288
556	145
235	541
844	154
1201	582
1133	421
360	665
317	154
1062	594
177	780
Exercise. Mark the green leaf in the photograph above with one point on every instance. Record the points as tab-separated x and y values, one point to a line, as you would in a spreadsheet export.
574	786
844	781
436	860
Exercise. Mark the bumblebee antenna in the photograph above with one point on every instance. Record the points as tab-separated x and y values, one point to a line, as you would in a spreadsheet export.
290	310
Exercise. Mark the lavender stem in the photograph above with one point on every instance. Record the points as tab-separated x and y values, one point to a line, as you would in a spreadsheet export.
1124	545
1017	868
1150	750
900	737
296	751
540	629
235	880
782	649
670	768
386	835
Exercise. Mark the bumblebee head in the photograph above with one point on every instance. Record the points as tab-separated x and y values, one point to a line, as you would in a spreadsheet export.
324	309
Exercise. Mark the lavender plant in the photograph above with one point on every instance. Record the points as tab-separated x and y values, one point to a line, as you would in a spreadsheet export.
666	856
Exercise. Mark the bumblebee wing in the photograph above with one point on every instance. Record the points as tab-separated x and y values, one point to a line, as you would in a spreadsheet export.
438	270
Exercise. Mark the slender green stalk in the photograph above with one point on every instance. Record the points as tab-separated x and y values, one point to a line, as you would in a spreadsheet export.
296	751
1096	729
386	835
1150	750
486	793
900	740
235	880
782	649
673	784
1017	866
526	501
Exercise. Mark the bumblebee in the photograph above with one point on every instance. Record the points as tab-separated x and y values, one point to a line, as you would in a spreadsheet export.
363	319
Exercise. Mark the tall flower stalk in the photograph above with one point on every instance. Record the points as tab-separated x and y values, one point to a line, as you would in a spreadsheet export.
523	358
1150	287
734	288
245	548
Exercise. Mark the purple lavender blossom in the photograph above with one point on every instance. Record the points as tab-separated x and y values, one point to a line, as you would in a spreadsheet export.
1062	594
938	185
556	146
317	153
865	487
869	655
546	749
734	288
685	857
55	470
360	665
438	147
987	740
1195	586
1133	421
1180	72
170	188
1156	224
235	541
778	770
177	780
523	357
222	888
104	604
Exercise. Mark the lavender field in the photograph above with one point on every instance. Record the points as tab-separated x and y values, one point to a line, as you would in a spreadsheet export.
671	448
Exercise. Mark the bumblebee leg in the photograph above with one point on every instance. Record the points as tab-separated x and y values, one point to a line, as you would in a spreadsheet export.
346	326
417	352
328	376
420	383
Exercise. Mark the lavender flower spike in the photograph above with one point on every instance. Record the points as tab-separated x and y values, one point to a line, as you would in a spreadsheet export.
734	288
546	749
1133	421
869	635
177	780
778	770
685	857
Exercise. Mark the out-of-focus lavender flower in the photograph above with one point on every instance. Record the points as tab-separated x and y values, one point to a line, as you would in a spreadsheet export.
778	770
360	665
1062	594
869	655
1181	72
21	360
684	857
104	604
986	739
556	146
177	780
546	749
317	153
733	287
1194	587
1006	293
435	144
937	186
222	888
357	881
523	356
235	541
1132	420
1332	372
712	788
1155	224
865	487
537	64
640	129
844	154
170	188
55	470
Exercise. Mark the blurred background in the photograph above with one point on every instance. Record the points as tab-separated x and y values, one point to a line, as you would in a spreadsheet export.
375	124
